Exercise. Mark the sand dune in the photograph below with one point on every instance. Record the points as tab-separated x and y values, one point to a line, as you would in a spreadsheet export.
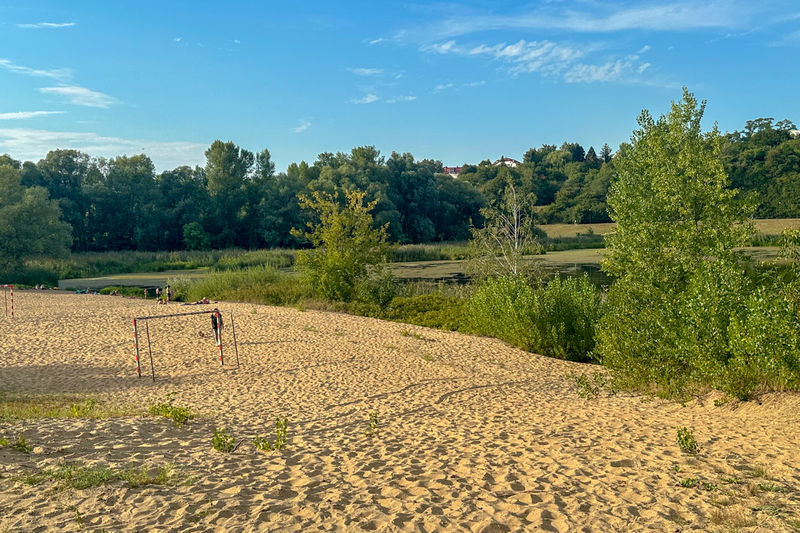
474	435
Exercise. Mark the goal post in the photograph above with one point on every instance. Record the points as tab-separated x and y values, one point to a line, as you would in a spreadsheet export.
217	321
8	290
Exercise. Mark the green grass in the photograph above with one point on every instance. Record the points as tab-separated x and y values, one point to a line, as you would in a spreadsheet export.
19	444
222	441
179	415
79	476
27	407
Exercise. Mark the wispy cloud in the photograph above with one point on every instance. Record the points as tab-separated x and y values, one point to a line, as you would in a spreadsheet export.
366	99
442	87
366	71
396	99
82	96
56	73
41	25
573	63
376	41
303	126
475	83
177	39
598	18
27	114
788	40
33	144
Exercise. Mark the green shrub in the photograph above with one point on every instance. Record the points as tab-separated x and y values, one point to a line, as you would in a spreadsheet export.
222	441
378	287
557	319
686	441
263	444
429	310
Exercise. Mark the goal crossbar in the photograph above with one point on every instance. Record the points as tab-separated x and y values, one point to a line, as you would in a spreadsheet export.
217	333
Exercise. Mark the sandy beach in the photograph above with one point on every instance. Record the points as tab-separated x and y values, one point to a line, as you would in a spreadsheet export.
473	435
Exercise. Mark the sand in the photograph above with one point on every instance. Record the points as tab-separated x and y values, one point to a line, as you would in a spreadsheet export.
473	435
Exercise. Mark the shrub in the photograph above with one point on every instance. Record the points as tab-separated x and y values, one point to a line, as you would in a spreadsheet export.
687	442
222	441
557	319
281	427
377	287
429	310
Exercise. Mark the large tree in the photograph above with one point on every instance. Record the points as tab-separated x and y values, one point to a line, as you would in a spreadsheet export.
30	223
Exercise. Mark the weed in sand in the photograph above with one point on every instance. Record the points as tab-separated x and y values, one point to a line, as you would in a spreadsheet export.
759	471
372	429
772	487
687	442
676	468
407	333
20	444
710	487
223	441
426	357
178	415
79	518
772	510
731	480
263	444
689	482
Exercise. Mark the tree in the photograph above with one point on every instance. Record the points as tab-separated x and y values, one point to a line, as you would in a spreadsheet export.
30	223
228	169
678	279
345	243
591	158
605	153
499	248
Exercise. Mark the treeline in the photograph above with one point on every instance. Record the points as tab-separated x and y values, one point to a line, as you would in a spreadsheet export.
239	200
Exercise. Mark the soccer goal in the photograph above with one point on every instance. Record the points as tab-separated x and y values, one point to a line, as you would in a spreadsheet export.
217	321
8	297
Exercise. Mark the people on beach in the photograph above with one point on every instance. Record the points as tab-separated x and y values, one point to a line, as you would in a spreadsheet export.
216	323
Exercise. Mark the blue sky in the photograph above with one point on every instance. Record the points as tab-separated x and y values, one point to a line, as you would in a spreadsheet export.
460	82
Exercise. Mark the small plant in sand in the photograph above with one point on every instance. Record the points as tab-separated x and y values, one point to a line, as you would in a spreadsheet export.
589	388
223	441
81	410
373	430
265	445
20	444
178	415
689	482
687	442
79	476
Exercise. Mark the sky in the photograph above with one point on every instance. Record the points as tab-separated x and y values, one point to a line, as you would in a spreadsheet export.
457	81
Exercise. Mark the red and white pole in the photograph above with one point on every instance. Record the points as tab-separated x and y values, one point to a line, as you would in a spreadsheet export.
136	347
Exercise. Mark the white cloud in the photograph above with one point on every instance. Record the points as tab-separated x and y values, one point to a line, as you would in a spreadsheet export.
177	39
366	71
27	114
56	73
303	126
32	145
39	25
237	41
442	86
787	40
643	49
475	83
376	41
396	99
366	99
675	16
549	58
80	95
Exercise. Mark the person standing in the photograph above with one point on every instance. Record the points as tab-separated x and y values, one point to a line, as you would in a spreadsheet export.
168	292
216	324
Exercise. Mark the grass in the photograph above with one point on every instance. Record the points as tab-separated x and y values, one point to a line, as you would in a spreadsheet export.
589	388
27	407
80	476
689	482
179	415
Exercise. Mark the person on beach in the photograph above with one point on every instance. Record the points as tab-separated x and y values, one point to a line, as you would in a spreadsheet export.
216	323
168	292
158	294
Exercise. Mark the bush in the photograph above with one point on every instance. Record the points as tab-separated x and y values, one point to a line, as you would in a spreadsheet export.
378	287
429	310
557	319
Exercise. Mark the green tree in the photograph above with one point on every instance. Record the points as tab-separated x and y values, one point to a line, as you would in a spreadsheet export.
509	234
30	223
345	243
678	279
